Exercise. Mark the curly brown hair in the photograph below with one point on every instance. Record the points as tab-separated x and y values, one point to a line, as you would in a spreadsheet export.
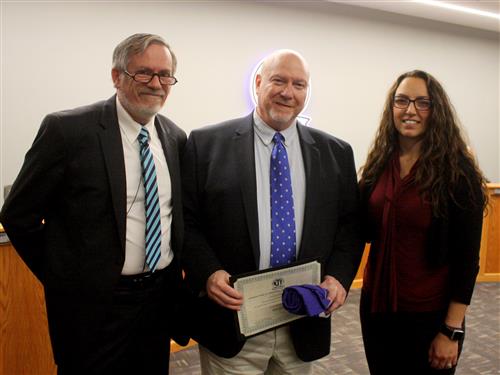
445	158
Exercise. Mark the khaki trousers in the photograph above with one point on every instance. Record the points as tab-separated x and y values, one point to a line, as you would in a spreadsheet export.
270	353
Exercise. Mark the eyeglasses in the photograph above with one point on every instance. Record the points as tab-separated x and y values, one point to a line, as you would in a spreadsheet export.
146	77
421	104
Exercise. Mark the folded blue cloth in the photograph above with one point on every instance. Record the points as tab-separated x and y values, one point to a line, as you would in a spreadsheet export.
310	300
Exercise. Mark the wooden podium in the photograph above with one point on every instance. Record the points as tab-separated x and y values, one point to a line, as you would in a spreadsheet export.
24	338
490	241
24	335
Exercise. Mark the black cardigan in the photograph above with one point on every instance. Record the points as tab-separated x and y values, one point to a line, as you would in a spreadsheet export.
454	239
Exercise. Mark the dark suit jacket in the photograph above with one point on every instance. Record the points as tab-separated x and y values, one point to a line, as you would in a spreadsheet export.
222	230
66	214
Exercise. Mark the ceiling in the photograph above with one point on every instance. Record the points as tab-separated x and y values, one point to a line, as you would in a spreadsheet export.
416	9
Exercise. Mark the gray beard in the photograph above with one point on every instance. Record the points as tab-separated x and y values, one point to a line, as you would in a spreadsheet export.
280	118
146	112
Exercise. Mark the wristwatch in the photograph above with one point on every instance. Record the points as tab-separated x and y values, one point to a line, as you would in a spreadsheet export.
452	333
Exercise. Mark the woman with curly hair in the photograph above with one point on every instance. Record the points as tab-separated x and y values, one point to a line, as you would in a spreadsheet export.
423	200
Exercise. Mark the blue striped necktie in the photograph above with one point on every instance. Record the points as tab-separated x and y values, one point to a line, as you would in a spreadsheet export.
152	202
283	243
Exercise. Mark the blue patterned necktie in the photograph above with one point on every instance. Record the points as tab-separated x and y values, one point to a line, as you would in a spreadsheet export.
283	241
152	202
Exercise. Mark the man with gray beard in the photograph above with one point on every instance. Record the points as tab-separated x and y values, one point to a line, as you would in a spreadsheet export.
96	214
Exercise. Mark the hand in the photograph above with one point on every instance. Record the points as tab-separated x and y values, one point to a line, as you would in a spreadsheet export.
443	352
336	293
219	290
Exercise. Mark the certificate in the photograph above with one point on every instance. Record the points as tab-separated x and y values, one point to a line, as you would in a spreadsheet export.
262	308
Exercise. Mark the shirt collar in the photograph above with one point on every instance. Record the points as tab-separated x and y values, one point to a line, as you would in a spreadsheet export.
130	127
265	133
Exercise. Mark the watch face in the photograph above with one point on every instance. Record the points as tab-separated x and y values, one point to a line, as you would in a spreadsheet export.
456	334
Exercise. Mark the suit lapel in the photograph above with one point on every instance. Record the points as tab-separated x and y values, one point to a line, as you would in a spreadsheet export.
245	167
111	143
170	150
313	168
169	146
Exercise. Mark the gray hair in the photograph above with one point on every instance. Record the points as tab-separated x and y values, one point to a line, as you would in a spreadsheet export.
136	44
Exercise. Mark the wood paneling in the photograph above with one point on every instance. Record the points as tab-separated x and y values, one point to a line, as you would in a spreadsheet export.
174	347
358	280
490	243
24	336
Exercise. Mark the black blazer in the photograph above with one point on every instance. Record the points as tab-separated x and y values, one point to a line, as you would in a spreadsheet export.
453	239
221	222
66	214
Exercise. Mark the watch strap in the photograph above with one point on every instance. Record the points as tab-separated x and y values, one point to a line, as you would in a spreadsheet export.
452	333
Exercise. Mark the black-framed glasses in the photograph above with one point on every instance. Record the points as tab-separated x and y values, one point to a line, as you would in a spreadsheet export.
146	77
422	104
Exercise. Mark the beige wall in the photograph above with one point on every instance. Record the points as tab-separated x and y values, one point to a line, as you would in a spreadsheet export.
57	55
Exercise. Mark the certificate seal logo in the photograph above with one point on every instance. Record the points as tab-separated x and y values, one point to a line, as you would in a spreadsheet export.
278	283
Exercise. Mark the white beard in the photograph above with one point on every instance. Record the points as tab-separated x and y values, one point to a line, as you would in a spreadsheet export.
280	117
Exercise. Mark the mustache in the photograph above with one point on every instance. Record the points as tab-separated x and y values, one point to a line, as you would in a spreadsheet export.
158	92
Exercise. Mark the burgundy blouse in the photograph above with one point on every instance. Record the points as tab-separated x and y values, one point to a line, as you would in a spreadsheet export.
398	276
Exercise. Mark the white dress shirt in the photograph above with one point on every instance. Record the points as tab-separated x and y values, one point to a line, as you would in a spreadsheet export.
135	251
